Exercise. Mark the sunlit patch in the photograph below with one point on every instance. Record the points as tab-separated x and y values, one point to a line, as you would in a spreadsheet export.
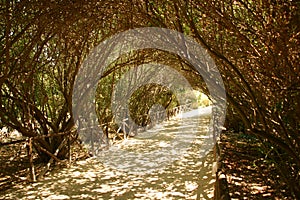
190	186
57	197
149	156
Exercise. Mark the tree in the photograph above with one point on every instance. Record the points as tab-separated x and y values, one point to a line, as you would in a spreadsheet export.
255	45
43	45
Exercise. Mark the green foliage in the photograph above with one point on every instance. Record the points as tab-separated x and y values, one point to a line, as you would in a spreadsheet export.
147	96
254	43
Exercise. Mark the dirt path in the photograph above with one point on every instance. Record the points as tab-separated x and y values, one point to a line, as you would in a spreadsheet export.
185	177
188	177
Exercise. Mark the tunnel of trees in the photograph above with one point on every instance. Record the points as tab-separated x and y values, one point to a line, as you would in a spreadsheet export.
255	44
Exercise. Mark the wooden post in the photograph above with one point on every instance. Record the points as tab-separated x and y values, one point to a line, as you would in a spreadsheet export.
124	129
106	134
221	187
221	191
92	140
32	170
69	149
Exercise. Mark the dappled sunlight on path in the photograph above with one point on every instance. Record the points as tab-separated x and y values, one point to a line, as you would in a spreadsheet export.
187	177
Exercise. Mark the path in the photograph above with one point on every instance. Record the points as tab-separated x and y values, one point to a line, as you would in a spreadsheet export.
186	176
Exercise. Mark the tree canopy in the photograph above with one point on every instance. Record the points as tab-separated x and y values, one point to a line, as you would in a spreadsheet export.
255	45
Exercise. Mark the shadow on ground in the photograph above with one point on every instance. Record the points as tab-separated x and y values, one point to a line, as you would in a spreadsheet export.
188	177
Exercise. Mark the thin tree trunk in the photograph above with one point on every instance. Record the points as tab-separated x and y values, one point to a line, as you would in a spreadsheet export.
32	169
